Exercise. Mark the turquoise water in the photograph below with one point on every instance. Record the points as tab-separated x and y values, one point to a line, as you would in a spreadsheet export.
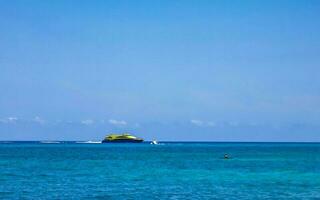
169	171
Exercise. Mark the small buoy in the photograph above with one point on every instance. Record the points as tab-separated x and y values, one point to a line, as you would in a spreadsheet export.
226	156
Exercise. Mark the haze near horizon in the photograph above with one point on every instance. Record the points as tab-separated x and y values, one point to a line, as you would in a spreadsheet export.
165	70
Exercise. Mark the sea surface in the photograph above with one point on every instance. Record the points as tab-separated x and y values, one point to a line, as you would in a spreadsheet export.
69	170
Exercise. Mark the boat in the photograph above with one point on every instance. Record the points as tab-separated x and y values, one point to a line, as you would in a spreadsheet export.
121	138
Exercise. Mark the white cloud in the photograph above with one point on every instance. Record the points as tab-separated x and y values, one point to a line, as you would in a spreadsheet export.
39	120
202	123
9	120
211	123
12	119
136	125
87	122
117	122
197	122
234	123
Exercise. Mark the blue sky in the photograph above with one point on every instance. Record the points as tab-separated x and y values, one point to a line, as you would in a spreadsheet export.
166	70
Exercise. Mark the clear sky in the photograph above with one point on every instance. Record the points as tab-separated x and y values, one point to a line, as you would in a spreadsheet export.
166	70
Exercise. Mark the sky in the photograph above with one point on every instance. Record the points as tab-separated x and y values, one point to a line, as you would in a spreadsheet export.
177	70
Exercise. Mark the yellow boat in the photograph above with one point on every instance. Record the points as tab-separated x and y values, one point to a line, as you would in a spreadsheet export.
121	138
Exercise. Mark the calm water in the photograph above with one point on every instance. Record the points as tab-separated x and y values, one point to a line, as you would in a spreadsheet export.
169	171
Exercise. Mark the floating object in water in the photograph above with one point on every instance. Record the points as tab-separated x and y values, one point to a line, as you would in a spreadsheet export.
154	142
226	156
121	138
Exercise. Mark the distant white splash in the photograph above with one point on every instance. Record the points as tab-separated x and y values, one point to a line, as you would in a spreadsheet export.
50	142
154	142
89	142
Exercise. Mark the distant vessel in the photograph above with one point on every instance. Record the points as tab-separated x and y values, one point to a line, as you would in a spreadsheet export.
121	138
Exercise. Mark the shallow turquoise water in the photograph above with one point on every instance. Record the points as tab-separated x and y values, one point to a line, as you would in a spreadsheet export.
169	171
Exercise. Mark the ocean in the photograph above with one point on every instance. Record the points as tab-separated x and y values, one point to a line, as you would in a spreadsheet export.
171	170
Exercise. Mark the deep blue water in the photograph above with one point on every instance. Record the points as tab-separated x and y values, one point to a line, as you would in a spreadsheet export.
169	171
